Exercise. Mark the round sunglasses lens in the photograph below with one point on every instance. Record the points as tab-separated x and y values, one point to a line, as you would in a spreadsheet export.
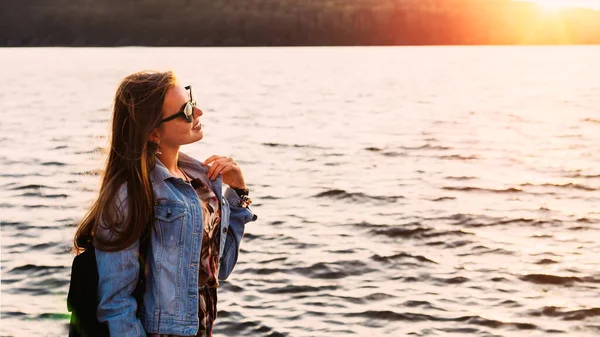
189	112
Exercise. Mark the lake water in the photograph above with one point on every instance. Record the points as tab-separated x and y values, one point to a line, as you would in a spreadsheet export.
401	191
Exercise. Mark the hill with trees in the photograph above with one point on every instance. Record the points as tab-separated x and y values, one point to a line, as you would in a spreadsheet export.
291	23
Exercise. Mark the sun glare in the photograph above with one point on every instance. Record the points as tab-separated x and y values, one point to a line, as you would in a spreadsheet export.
555	5
552	5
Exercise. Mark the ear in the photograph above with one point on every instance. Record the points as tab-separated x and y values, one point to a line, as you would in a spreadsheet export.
154	135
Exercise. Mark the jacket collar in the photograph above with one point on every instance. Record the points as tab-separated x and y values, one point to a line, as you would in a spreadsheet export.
191	166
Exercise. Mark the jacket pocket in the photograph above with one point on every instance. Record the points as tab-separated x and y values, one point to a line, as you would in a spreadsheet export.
170	218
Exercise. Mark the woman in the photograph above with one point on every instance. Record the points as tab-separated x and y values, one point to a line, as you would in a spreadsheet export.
194	232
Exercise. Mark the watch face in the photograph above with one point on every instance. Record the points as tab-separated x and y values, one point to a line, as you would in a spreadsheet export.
245	201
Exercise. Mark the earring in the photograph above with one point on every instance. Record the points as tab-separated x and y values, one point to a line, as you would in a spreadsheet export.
157	148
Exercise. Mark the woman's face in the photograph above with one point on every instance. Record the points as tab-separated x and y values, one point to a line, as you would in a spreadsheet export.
179	131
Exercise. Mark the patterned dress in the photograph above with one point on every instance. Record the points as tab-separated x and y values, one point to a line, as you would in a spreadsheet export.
209	260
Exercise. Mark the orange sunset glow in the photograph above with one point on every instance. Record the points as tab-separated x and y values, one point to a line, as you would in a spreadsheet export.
564	4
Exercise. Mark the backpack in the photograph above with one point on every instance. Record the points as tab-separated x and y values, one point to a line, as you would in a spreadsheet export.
82	300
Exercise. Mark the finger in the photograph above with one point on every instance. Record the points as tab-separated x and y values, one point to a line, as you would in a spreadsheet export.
215	169
211	159
211	168
214	159
222	169
227	166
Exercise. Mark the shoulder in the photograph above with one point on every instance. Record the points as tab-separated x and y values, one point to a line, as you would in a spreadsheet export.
121	196
113	215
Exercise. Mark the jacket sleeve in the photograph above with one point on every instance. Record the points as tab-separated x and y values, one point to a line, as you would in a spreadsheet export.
238	218
117	279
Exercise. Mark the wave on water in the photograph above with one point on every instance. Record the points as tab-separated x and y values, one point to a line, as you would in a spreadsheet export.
401	256
583	176
394	154
54	316
295	146
592	120
357	196
450	280
426	147
95	172
32	268
96	150
460	157
237	325
38	206
569	185
12	223
443	198
557	280
393	230
43	195
571	315
412	148
460	178
24	175
53	163
13	313
482	250
546	261
415	232
23	226
296	289
480	189
416	317
504	222
31	187
337	270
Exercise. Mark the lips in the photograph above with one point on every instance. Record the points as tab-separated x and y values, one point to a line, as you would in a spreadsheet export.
197	125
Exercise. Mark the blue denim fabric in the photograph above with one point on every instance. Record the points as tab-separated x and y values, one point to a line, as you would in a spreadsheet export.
171	298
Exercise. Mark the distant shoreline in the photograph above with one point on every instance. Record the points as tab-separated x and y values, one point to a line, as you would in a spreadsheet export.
187	23
301	46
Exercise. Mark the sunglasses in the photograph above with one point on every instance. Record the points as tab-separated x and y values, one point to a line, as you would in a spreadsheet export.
186	111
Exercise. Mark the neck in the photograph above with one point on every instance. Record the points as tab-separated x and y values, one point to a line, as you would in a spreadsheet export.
169	157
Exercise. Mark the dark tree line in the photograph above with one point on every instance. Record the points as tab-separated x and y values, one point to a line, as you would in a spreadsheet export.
290	22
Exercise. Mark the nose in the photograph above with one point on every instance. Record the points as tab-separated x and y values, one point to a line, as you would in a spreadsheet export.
198	112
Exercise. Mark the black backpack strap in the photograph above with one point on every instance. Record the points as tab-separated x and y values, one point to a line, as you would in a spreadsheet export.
145	239
144	244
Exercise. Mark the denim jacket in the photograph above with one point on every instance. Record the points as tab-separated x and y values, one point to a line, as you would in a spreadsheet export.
170	303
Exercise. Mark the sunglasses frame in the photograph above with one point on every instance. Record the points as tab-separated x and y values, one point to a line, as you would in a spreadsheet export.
181	112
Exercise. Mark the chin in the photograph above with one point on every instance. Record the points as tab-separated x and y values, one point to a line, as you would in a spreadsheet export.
198	136
192	140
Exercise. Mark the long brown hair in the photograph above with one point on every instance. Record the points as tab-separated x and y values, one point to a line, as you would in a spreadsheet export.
137	111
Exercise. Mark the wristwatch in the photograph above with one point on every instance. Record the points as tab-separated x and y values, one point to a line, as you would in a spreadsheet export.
241	191
245	200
